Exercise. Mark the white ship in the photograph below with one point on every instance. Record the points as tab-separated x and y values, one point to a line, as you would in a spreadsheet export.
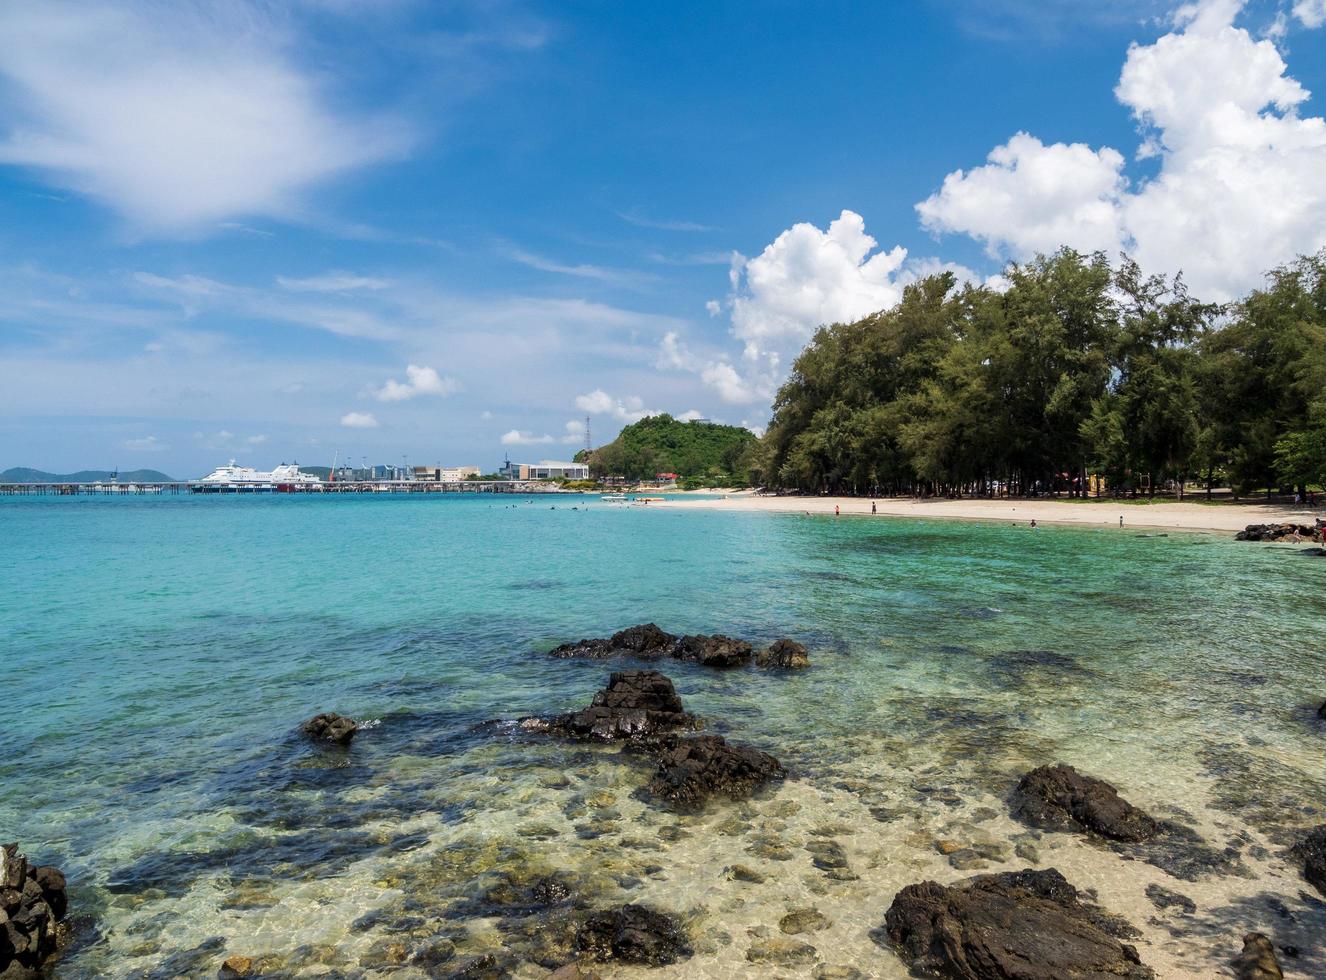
246	478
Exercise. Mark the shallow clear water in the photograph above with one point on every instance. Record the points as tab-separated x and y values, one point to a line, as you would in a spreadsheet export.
158	655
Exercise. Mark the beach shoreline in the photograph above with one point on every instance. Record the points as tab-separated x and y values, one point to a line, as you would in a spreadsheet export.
1167	515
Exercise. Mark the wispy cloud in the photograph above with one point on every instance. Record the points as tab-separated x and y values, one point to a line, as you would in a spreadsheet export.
516	437
332	282
634	217
178	116
147	444
359	420
581	270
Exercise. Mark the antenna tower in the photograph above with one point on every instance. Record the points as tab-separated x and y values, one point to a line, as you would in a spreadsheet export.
589	446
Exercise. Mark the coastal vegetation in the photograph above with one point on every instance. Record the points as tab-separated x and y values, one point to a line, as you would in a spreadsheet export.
25	474
698	452
1075	377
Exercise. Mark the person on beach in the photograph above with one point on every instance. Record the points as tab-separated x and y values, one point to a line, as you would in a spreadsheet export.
1120	520
872	507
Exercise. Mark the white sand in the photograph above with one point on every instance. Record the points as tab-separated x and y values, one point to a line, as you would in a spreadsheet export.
1193	516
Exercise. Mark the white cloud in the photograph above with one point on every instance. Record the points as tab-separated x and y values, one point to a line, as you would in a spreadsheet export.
419	380
225	439
179	116
485	415
718	373
807	277
332	282
690	415
1242	178
147	444
1311	12
575	433
599	402
1033	198
359	420
518	438
640	221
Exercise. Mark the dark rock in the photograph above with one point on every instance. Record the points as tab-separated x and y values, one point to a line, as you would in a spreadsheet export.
1312	851
633	934
1162	898
54	888
1275	532
1257	961
1321	712
646	641
235	967
635	704
690	770
1060	798
32	903
483	967
714	651
783	654
330	727
1023	925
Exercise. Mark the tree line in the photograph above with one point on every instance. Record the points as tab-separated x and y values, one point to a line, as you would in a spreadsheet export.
1074	377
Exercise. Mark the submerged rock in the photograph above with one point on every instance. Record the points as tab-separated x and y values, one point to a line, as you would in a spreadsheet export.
1060	798
775	950
330	727
803	920
235	967
1257	961
1027	925
691	770
1312	851
646	641
633	934
635	704
33	902
783	654
1162	898
714	651
1321	712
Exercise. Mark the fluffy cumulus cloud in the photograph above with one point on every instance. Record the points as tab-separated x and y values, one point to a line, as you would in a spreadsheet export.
1311	12
1241	183
807	277
359	420
419	380
518	437
177	115
599	402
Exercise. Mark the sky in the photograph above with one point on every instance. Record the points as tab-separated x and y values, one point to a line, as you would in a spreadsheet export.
449	232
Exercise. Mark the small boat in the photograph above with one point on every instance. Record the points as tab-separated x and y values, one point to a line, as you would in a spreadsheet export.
615	498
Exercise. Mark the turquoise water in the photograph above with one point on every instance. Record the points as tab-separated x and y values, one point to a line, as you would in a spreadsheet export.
159	653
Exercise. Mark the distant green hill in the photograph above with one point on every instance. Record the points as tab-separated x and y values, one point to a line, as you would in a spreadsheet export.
24	474
698	451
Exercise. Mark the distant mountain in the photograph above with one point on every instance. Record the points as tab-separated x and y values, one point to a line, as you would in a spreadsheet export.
705	451
24	474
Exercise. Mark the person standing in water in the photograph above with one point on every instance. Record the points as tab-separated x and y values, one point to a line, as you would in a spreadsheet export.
835	511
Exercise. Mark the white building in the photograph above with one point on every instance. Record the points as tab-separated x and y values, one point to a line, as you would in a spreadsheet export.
445	474
547	469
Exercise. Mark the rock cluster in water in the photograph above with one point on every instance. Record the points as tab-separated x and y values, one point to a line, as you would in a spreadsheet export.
648	642
1029	925
33	902
643	707
1277	532
1061	798
330	727
633	934
636	704
691	770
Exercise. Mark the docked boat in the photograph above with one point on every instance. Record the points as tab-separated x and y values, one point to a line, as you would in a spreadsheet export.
233	478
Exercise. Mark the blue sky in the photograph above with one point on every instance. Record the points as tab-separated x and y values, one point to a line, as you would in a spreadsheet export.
452	231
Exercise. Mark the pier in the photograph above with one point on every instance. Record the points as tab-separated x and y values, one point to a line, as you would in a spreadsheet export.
107	489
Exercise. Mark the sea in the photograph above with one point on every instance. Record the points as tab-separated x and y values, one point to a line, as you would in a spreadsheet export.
157	656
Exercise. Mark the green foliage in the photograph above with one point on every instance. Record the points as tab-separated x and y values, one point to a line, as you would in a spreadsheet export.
718	455
24	474
1073	369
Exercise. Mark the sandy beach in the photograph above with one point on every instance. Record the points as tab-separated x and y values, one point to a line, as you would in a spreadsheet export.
1188	516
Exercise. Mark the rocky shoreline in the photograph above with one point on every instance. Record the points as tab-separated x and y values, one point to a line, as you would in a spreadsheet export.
1033	922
